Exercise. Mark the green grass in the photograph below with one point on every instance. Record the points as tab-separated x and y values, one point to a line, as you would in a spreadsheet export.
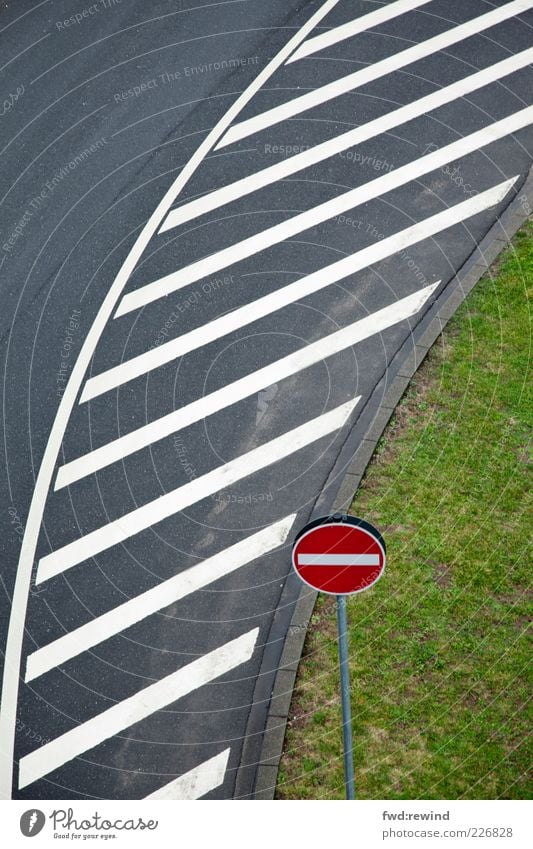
438	648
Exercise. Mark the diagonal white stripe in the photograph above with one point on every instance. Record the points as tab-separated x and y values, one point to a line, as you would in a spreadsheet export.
293	164
348	30
289	294
15	634
172	502
233	392
312	217
167	592
197	782
115	719
372	72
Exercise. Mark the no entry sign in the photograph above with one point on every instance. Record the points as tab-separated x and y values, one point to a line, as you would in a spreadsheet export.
339	555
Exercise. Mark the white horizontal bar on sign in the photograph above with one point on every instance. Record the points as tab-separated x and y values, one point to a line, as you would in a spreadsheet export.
291	165
372	72
289	294
338	559
244	387
310	218
197	782
164	594
352	28
134	709
172	502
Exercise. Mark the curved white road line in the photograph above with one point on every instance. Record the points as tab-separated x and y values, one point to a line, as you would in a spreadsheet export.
13	653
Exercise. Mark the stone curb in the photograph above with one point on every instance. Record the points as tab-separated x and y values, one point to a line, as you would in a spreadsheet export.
359	447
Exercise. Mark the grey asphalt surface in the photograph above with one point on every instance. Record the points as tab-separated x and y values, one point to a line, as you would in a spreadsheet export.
133	82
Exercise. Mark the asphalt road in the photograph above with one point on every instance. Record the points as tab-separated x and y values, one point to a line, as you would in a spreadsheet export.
219	223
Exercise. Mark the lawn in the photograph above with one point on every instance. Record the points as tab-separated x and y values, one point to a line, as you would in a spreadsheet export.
439	653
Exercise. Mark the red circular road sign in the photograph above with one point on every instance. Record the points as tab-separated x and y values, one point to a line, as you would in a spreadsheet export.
339	555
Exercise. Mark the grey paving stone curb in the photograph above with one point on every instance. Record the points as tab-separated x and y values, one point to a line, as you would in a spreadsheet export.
388	394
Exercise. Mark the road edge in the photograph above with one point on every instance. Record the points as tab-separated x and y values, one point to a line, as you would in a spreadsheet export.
359	446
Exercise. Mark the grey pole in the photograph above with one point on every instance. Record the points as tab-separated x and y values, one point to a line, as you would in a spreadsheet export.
345	697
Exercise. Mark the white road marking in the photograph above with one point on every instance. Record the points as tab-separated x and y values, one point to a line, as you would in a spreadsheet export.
372	72
352	28
12	665
244	387
134	709
172	502
197	782
317	215
200	336
338	559
293	164
19	601
164	594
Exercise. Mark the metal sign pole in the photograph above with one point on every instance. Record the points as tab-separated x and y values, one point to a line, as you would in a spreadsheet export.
345	697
